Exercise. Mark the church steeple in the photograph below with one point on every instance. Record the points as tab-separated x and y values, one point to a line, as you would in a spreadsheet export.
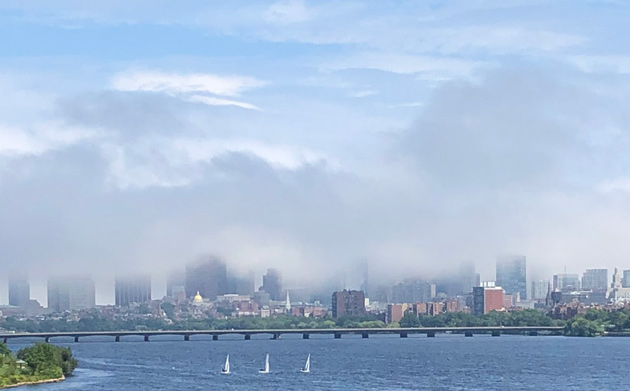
287	303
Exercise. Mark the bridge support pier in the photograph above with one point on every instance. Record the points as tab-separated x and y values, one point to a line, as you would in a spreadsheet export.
306	336
146	338
117	338
403	335
365	335
533	333
47	339
337	335
468	334
431	334
275	336
76	339
496	333
5	339
186	337
215	337
248	337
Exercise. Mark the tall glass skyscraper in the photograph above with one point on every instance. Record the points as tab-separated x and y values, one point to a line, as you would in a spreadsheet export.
132	289
19	289
512	275
208	277
595	280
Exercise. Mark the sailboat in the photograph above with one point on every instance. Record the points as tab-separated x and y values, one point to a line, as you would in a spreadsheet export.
266	368
226	368
307	366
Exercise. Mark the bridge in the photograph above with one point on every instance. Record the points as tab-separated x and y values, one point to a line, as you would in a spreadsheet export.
306	333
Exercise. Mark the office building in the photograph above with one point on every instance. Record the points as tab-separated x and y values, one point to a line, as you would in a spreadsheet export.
272	284
175	283
566	282
242	285
625	281
468	278
132	290
595	280
478	301
395	312
493	299
540	289
511	273
413	291
19	290
348	303
487	299
208	277
71	293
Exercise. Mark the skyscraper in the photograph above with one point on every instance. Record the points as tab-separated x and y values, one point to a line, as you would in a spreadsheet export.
132	289
19	290
71	293
272	284
241	284
208	277
595	280
467	277
413	291
625	281
512	275
175	282
566	282
539	289
478	301
351	303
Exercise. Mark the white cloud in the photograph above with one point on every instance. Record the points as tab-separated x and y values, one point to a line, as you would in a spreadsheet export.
427	67
362	93
178	83
497	39
166	162
212	101
620	184
602	64
39	137
407	104
287	12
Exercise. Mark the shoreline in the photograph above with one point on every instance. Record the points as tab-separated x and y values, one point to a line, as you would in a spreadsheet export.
32	383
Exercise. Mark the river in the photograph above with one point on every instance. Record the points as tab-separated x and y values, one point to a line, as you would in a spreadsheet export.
447	362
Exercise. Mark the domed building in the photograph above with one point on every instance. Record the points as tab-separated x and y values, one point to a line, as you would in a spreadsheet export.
198	299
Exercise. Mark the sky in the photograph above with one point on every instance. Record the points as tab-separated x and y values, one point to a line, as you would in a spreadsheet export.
312	136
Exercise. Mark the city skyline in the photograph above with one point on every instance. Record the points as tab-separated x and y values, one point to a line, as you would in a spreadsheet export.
278	135
159	285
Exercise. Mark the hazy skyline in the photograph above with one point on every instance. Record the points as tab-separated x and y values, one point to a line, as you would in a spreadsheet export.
309	136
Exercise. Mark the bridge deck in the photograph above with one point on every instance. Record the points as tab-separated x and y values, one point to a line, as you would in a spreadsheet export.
430	331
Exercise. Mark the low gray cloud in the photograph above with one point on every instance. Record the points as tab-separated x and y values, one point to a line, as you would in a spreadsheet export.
514	162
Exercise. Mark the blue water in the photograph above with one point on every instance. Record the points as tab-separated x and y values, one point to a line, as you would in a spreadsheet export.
447	362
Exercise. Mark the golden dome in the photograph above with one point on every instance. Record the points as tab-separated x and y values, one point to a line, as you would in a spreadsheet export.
198	298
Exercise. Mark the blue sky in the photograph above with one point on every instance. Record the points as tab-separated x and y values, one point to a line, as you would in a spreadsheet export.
299	133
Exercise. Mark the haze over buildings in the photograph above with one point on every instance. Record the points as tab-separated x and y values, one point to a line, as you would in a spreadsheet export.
277	134
71	293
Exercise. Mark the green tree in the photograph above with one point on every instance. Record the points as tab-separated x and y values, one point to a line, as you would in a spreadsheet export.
409	320
4	350
48	360
169	309
580	326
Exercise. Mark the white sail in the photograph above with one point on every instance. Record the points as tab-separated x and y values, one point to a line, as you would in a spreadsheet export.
266	369
226	367
307	366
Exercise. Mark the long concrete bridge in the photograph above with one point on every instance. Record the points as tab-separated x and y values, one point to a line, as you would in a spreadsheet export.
306	333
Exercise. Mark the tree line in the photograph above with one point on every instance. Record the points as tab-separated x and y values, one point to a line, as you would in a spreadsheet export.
39	362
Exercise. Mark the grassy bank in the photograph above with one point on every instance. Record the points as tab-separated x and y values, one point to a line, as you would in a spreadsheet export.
40	363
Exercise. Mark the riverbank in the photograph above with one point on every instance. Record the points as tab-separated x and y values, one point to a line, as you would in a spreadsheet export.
32	383
37	364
